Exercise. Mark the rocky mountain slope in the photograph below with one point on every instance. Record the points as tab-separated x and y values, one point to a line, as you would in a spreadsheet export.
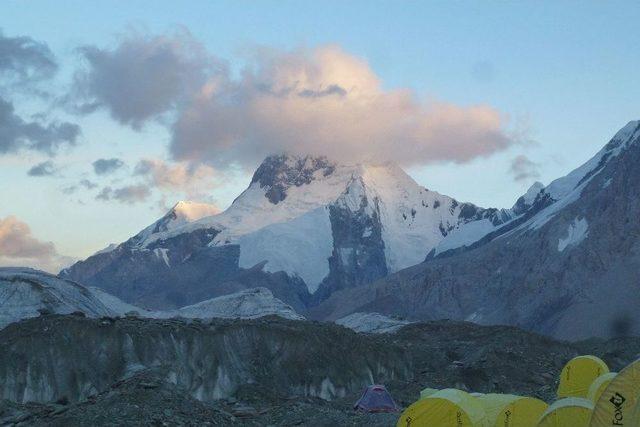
566	266
268	372
304	228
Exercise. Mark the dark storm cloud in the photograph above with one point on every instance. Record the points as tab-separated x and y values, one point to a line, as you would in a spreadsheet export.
141	77
17	134
524	169
107	166
43	169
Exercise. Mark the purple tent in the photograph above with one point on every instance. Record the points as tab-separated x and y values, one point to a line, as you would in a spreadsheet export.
376	398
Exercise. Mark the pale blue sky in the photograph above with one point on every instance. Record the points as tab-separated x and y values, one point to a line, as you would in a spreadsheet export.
568	71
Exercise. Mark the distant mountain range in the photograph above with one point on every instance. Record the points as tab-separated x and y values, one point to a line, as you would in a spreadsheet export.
332	239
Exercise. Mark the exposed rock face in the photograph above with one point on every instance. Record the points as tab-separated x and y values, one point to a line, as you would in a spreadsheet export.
209	360
304	228
278	173
358	247
178	271
269	371
567	267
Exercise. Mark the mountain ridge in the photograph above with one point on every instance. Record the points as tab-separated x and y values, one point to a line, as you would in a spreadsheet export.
323	224
565	268
334	239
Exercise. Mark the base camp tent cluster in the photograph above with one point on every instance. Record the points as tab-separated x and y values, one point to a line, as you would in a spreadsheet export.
619	402
588	396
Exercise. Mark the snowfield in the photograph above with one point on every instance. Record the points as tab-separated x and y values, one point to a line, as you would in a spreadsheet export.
576	233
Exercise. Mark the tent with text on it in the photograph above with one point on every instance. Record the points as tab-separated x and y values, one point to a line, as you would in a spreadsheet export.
376	398
599	385
448	407
578	374
618	401
567	412
508	410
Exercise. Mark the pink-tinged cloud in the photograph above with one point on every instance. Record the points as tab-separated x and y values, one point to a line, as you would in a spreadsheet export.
19	248
320	101
327	102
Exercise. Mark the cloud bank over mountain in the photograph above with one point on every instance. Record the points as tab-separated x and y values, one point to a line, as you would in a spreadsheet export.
319	101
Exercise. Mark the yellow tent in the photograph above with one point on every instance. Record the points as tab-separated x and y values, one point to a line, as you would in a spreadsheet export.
508	410
635	418
445	408
427	392
618	401
599	385
578	374
567	412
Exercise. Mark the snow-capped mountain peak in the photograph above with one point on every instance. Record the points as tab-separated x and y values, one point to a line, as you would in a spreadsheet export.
183	213
540	203
322	222
530	196
192	211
